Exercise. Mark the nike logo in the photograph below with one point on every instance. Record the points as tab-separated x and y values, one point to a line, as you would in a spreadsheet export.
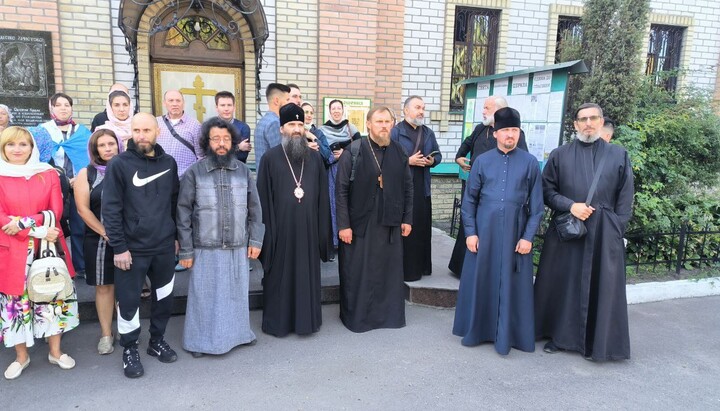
155	351
139	182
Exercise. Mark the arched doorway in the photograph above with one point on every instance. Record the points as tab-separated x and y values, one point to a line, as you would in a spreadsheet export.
199	46
196	57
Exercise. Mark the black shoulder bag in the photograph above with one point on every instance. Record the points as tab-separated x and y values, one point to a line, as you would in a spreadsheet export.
177	136
568	226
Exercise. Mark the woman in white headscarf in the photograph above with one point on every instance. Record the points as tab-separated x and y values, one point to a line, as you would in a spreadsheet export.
28	187
5	117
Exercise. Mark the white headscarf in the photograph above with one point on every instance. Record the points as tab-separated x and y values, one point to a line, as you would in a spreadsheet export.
27	170
120	127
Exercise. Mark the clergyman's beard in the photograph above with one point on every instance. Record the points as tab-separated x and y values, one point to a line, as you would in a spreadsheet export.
488	120
221	160
417	122
382	141
587	139
144	149
295	147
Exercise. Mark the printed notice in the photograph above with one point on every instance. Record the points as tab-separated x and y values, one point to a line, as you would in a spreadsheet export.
542	82
483	89
500	87
520	85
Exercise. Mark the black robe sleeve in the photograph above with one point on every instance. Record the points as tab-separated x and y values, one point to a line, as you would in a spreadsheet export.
536	209
324	217
522	144
467	145
408	209
264	186
551	185
342	190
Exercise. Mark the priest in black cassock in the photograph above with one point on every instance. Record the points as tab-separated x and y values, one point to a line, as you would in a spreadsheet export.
480	141
580	302
501	211
421	147
293	190
374	198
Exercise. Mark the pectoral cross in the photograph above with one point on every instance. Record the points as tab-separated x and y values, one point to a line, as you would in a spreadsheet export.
198	91
380	181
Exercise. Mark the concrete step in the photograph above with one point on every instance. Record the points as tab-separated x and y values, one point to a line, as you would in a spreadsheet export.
436	290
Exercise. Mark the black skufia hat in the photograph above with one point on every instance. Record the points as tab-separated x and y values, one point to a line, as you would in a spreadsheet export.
506	117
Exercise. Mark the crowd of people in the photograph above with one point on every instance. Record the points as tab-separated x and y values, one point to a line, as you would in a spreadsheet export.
143	197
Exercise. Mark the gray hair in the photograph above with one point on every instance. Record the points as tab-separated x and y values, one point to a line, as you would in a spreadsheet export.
500	102
7	110
411	98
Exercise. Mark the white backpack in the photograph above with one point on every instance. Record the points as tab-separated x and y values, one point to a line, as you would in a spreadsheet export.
49	279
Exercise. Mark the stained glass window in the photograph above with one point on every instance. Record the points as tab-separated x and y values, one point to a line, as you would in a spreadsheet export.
189	29
474	50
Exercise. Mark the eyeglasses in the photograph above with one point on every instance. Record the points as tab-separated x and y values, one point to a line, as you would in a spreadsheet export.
219	139
585	119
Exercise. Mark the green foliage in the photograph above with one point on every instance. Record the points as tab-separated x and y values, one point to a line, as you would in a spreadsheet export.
674	146
613	34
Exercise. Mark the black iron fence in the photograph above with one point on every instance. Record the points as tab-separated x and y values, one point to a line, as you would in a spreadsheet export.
688	246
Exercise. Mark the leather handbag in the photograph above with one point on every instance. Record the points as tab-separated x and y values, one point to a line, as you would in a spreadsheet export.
48	278
568	226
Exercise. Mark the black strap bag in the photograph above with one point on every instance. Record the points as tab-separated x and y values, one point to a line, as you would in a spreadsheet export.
568	226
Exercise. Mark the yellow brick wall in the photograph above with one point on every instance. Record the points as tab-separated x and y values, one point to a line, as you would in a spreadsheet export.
85	35
297	39
557	10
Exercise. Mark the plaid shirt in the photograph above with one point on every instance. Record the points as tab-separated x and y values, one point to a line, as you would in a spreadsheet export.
267	135
189	129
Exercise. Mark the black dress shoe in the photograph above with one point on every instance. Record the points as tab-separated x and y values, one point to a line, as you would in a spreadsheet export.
589	358
551	348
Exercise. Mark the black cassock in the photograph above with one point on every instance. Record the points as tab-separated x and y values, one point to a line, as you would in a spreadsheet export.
580	298
372	289
297	235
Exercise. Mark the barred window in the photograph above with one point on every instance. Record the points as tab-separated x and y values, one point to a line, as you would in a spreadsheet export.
569	36
663	56
475	48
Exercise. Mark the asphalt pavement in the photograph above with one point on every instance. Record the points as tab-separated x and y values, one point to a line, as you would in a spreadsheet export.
675	365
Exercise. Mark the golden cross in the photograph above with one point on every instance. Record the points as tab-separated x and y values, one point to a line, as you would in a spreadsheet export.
198	91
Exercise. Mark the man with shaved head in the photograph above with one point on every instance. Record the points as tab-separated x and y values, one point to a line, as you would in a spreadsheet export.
179	132
138	209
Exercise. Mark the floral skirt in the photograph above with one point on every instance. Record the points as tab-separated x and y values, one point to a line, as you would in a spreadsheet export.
21	320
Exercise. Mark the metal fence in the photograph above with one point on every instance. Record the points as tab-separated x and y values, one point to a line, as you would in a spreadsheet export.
681	248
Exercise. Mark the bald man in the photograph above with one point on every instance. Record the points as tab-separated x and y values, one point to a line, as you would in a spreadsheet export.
179	132
102	118
138	210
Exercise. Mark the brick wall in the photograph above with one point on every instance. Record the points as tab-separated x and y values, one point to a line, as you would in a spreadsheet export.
86	53
297	61
444	190
268	72
123	71
35	15
359	57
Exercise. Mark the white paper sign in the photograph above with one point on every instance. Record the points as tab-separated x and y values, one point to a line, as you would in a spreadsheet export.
520	85
483	89
500	87
542	82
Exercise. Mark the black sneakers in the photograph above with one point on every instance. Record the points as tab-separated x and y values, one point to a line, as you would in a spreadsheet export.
161	349
131	362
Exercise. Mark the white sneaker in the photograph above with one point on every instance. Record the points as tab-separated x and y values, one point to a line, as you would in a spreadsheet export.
106	345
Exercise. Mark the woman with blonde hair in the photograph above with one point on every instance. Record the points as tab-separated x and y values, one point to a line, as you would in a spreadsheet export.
28	187
99	268
5	117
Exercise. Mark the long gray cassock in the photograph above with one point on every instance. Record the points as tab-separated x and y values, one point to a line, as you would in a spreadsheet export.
580	300
219	215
